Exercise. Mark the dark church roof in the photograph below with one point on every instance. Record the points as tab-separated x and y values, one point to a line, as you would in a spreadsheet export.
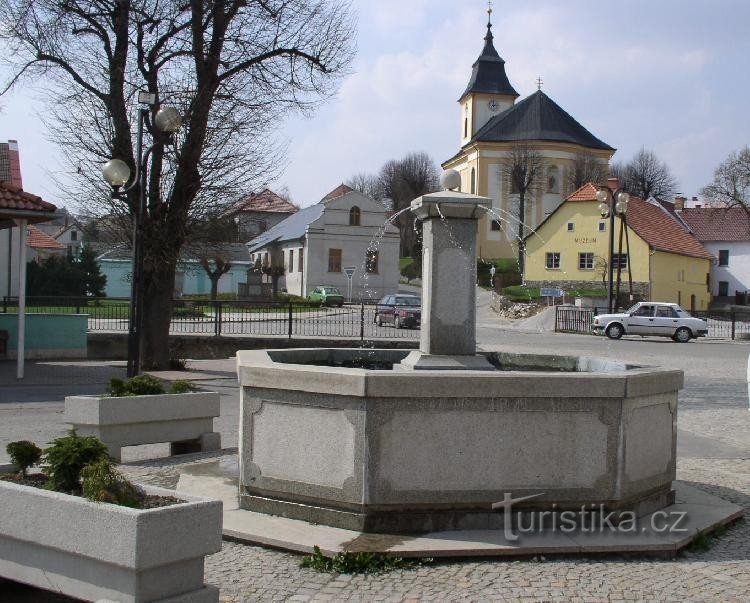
537	117
488	71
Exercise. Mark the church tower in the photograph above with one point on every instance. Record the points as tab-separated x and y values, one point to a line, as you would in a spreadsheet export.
489	92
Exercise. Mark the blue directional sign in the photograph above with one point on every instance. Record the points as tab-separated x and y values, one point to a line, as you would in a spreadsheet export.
551	292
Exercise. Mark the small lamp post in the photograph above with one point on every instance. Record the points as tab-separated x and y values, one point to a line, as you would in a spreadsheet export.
612	200
117	173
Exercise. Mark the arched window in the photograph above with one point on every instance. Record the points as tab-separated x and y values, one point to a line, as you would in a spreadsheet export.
473	181
553	179
354	216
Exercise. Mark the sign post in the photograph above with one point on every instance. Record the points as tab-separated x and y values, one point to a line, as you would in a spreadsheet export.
349	270
551	292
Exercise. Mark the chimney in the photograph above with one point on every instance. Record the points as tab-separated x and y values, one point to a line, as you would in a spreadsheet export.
15	164
679	202
613	183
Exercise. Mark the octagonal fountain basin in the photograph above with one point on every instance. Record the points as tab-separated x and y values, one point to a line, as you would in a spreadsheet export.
327	439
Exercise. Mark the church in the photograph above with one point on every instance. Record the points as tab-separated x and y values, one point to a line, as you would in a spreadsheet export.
495	126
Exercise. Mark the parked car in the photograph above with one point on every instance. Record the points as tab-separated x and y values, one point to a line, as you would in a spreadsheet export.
326	296
400	310
652	318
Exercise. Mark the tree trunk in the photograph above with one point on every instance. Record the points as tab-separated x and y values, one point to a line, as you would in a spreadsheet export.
157	314
521	220
215	284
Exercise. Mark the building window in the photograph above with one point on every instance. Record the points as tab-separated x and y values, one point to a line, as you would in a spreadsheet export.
300	258
265	259
334	260
571	226
620	260
473	181
354	216
495	225
291	260
73	235
552	260
602	227
723	288
553	180
466	126
586	261
371	265
723	257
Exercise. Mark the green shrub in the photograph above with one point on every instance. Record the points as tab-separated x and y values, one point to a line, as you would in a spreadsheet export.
355	563
23	454
188	312
102	482
64	460
142	385
412	271
182	387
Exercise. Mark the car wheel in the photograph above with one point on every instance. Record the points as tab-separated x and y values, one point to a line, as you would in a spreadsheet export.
379	320
615	331
397	322
683	335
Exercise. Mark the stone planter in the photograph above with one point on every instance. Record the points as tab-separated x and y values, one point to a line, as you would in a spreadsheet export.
184	420
98	551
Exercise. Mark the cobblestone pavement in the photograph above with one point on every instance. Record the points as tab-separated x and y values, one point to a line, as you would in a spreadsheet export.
722	573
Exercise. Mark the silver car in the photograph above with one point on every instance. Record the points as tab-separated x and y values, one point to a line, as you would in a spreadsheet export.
652	318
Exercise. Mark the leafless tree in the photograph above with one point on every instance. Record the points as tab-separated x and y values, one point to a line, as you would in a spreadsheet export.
645	175
731	183
233	67
367	184
401	181
522	169
586	168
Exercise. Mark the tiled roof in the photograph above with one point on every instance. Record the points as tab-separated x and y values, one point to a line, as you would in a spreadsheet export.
13	197
292	228
37	239
537	117
339	191
267	201
654	224
718	223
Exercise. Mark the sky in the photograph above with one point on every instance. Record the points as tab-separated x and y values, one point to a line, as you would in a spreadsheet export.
668	75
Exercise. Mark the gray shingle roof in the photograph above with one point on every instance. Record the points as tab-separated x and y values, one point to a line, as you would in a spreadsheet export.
488	71
290	229
537	117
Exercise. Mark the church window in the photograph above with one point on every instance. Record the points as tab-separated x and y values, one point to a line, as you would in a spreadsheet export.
553	179
495	225
354	215
334	260
473	181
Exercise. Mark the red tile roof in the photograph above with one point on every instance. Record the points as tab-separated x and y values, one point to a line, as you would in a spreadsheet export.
266	200
718	223
652	223
37	239
13	197
339	191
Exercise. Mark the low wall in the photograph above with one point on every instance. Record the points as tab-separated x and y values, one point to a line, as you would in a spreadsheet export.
47	335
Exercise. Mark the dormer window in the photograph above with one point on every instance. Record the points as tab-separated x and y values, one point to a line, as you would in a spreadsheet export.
354	214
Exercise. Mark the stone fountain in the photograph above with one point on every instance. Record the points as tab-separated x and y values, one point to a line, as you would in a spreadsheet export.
434	442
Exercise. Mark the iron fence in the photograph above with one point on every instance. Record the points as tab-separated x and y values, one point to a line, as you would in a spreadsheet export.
221	317
728	324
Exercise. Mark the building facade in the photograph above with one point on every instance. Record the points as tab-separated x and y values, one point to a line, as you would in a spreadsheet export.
346	231
659	260
259	212
494	127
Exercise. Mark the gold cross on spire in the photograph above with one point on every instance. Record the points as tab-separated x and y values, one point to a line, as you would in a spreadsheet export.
539	83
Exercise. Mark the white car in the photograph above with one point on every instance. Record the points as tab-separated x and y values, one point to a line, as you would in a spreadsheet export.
652	318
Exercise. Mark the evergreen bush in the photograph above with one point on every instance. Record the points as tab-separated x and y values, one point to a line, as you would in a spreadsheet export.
102	482
64	460
23	454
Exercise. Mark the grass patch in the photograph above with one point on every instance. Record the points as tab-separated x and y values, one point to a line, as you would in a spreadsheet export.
703	542
357	563
519	293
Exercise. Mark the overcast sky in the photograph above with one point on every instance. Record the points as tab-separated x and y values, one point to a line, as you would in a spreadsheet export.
670	75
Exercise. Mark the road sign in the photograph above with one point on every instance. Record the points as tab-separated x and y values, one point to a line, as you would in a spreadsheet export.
350	271
551	292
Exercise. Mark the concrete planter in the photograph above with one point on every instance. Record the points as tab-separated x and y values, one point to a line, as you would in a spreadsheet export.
98	551
185	420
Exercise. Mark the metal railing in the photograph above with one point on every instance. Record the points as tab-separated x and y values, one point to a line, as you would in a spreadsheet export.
730	324
285	318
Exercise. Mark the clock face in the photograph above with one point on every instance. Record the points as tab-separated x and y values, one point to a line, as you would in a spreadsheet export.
493	106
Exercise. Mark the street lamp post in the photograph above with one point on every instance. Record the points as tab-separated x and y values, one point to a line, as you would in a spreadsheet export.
612	200
117	173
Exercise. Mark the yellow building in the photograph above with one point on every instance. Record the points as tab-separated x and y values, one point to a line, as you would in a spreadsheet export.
570	250
492	125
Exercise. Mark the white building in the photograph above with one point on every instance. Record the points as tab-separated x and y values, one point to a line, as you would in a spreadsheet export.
725	232
316	246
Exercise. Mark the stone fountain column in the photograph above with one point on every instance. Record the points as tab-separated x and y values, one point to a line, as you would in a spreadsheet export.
449	240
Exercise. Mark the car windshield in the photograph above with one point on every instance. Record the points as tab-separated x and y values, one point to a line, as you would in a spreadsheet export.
331	291
681	312
408	301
